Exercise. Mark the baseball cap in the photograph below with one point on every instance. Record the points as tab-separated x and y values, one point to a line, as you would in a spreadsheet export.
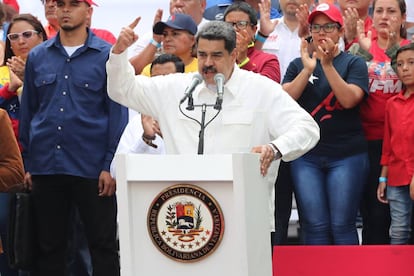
90	2
178	21
329	10
215	9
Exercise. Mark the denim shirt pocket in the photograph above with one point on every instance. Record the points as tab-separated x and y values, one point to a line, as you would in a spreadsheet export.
89	91
87	84
44	80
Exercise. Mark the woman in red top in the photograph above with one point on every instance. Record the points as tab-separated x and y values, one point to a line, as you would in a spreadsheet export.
397	181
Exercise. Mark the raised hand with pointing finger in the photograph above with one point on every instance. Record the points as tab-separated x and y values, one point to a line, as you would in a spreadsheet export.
126	37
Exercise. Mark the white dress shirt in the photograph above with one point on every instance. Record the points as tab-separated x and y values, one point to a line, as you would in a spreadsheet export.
256	111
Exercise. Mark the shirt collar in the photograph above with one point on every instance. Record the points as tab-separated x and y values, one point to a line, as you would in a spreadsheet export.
232	84
91	41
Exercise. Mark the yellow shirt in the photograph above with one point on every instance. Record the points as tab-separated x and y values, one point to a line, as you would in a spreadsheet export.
189	68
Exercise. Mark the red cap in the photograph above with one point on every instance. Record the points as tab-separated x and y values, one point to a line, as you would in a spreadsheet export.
329	10
90	2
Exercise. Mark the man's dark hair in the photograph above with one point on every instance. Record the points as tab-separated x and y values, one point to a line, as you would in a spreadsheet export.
165	58
407	47
242	7
219	30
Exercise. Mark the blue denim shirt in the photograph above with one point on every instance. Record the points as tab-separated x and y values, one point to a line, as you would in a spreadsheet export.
68	123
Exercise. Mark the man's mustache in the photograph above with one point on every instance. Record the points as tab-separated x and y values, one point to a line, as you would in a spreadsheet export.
209	69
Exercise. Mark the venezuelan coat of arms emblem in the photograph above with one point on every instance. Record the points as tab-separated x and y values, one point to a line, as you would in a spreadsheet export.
185	222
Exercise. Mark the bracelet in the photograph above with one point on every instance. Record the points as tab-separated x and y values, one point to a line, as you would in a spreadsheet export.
244	62
260	37
382	179
148	140
155	43
276	152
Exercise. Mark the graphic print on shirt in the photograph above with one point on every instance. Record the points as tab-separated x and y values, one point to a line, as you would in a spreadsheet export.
382	78
325	109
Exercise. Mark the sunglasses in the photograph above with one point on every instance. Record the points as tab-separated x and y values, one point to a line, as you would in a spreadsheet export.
26	35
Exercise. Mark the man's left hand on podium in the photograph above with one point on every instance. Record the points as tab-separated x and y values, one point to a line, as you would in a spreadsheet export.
268	153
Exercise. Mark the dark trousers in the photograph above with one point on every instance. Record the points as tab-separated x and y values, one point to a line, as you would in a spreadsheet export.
53	196
79	259
283	204
375	215
412	228
5	269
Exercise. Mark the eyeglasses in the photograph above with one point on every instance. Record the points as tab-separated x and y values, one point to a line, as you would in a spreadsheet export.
327	28
239	24
26	35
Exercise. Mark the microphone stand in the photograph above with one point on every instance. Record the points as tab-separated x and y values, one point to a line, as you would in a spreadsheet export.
202	128
203	125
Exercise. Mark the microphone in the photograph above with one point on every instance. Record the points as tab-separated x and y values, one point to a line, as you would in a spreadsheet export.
197	79
219	80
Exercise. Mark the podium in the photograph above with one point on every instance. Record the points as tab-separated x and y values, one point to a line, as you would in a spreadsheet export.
234	181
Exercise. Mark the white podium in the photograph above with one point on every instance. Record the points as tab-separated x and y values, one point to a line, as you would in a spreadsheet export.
237	186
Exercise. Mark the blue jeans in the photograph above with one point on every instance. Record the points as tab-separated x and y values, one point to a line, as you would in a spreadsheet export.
5	269
328	193
401	211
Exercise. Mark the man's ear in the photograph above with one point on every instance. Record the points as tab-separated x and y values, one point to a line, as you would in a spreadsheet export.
203	4
233	55
254	29
89	16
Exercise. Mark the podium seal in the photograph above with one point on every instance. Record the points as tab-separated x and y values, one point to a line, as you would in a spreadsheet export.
185	223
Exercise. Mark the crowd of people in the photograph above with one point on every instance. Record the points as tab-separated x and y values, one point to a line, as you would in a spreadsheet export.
321	90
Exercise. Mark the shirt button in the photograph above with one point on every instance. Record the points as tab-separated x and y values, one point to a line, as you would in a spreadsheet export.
61	109
58	147
64	93
66	76
59	128
86	85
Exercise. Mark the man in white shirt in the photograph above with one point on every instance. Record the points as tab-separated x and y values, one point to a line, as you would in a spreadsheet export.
257	115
